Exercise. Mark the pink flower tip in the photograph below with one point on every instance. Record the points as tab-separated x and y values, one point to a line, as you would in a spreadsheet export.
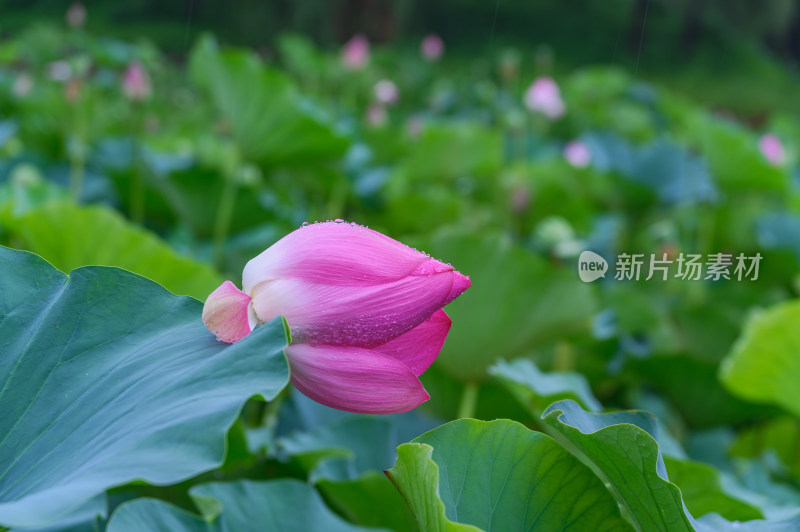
226	313
772	149
355	53
431	47
544	97
136	82
577	154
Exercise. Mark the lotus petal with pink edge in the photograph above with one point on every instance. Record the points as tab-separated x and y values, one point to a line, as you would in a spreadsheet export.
419	347
354	379
334	253
225	313
364	316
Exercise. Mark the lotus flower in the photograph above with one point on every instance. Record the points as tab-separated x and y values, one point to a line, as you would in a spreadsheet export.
577	154
365	313
772	149
355	53
386	92
544	96
136	82
431	47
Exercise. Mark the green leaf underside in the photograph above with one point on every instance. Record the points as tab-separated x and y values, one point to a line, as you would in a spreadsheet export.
242	506
498	475
105	378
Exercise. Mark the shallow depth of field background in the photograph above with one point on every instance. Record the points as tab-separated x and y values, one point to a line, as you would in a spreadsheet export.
244	123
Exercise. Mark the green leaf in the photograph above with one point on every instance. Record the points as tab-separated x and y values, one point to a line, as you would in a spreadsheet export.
764	365
538	390
285	505
532	303
106	378
499	475
70	236
268	118
621	449
704	492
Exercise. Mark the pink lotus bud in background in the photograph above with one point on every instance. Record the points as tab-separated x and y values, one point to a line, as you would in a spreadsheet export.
355	53
431	47
136	82
772	149
376	115
544	96
59	71
364	312
76	15
577	154
23	85
386	92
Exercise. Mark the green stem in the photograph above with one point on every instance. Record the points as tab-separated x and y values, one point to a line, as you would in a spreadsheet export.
76	172
469	399
223	220
137	183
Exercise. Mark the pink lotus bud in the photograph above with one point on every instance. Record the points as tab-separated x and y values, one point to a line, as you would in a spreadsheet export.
355	53
76	15
544	96
23	85
577	154
386	92
376	115
136	82
431	47
772	149
364	311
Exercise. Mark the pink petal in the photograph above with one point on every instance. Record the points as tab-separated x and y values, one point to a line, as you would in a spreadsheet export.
420	346
226	313
354	379
334	253
364	316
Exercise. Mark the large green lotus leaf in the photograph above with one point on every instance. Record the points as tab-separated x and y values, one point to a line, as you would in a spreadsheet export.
70	236
106	378
538	390
498	475
517	302
241	506
764	364
269	119
621	448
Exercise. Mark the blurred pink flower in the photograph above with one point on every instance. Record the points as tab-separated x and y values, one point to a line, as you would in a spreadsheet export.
76	15
431	47
414	126
23	85
364	312
355	53
386	92
544	96
577	154
772	149
136	82
376	115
